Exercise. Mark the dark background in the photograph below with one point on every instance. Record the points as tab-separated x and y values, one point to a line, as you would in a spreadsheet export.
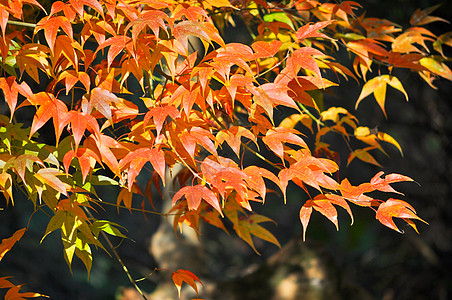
387	264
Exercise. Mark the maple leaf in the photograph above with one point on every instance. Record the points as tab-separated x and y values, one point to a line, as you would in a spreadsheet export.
261	98
55	223
211	216
117	44
444	39
197	135
264	49
192	13
80	122
404	42
436	67
275	138
364	48
154	19
256	179
86	159
364	134
410	60
232	54
107	227
310	30
138	158
301	84
97	28
422	17
203	30
71	77
122	110
226	177
181	275
49	176
233	136
159	115
364	155
310	170
356	193
65	46
67	10
302	58
186	97
14	294
77	5
23	163
49	107
377	86
394	208
4	16
126	195
194	195
379	29
100	99
32	58
104	148
8	243
11	89
210	4
50	25
278	95
75	232
383	184
15	7
324	205
248	225
235	81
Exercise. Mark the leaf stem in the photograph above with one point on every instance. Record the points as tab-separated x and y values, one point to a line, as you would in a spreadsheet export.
305	110
19	23
131	208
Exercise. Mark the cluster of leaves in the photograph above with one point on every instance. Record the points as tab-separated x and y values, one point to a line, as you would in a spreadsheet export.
87	55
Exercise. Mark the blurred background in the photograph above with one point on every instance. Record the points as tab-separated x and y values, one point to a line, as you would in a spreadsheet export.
367	255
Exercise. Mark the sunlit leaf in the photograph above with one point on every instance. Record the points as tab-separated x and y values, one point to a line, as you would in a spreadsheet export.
308	30
194	195
436	67
50	25
181	276
8	243
394	208
364	155
138	158
377	86
275	138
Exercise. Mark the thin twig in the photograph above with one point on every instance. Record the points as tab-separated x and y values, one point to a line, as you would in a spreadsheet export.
118	258
19	23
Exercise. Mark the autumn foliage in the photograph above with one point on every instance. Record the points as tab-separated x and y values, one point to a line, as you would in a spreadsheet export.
134	88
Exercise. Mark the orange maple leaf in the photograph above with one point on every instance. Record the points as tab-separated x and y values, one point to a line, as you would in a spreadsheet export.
183	275
194	195
394	208
8	243
377	86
